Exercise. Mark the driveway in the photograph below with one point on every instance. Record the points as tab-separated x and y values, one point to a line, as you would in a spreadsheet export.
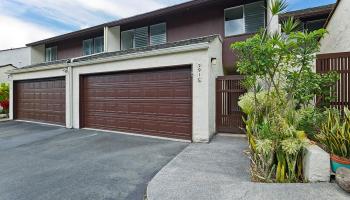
223	174
46	162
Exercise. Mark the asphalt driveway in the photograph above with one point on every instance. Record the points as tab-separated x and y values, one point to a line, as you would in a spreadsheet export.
46	162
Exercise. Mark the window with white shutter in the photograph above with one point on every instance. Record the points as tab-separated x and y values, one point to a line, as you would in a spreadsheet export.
158	34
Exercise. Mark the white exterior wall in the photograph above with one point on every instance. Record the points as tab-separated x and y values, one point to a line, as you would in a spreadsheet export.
338	37
112	38
215	70
17	57
198	56
37	54
273	23
3	76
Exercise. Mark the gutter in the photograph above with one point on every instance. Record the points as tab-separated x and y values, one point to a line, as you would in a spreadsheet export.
70	79
73	63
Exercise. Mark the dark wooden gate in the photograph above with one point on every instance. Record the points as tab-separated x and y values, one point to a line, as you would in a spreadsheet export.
339	62
228	114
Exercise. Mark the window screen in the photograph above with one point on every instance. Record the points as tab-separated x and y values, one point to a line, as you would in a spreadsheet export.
127	39
98	45
254	16
158	34
141	37
51	54
88	47
245	19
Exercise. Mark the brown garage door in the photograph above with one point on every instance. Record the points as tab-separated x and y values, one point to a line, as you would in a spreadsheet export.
153	102
41	100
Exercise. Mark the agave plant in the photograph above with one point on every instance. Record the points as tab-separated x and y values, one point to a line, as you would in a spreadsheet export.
335	133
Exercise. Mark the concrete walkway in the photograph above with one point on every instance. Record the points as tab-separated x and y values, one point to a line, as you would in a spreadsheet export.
220	171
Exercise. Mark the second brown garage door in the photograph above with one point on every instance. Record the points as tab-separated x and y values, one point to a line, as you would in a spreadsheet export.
153	102
41	100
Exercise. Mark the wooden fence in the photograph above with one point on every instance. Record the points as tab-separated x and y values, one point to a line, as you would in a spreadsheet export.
339	62
228	113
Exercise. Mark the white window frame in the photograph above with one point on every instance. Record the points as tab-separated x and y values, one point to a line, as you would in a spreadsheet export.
231	8
243	18
93	46
91	39
121	39
166	33
51	55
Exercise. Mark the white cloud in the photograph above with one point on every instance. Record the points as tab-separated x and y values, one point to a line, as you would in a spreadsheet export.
16	33
83	13
31	20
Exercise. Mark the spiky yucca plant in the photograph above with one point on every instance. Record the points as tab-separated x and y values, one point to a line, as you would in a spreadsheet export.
335	133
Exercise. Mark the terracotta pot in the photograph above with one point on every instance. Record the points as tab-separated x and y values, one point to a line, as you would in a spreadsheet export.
337	162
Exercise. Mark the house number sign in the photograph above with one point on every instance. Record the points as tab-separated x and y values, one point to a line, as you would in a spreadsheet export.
199	69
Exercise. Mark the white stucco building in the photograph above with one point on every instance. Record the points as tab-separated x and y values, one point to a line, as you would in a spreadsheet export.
338	38
18	57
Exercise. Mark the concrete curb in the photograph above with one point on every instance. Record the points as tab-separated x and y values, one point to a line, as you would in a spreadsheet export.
220	170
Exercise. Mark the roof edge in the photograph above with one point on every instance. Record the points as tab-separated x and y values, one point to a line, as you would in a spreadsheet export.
8	65
183	45
332	13
165	10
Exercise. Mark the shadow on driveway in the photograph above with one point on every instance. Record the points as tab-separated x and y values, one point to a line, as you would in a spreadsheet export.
46	162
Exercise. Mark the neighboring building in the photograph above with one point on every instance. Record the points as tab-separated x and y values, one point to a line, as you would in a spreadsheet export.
151	74
10	58
18	57
338	27
3	69
311	18
334	53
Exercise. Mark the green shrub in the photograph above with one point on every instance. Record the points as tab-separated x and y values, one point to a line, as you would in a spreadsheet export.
279	76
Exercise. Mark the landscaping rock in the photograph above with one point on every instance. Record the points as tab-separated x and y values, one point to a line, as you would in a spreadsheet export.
316	164
343	178
2	116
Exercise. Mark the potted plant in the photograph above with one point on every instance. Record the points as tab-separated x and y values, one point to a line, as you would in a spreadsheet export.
335	135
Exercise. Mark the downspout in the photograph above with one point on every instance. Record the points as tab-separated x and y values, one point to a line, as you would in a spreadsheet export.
70	79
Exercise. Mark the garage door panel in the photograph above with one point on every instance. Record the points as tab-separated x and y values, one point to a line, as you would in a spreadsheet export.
153	102
41	100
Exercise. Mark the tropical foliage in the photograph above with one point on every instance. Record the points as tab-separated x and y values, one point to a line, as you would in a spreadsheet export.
4	97
282	85
335	133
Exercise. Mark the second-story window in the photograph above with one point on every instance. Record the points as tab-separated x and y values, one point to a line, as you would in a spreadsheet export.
158	34
144	36
127	39
51	54
248	18
92	46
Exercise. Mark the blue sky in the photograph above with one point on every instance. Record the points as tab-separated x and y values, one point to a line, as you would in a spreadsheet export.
24	21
